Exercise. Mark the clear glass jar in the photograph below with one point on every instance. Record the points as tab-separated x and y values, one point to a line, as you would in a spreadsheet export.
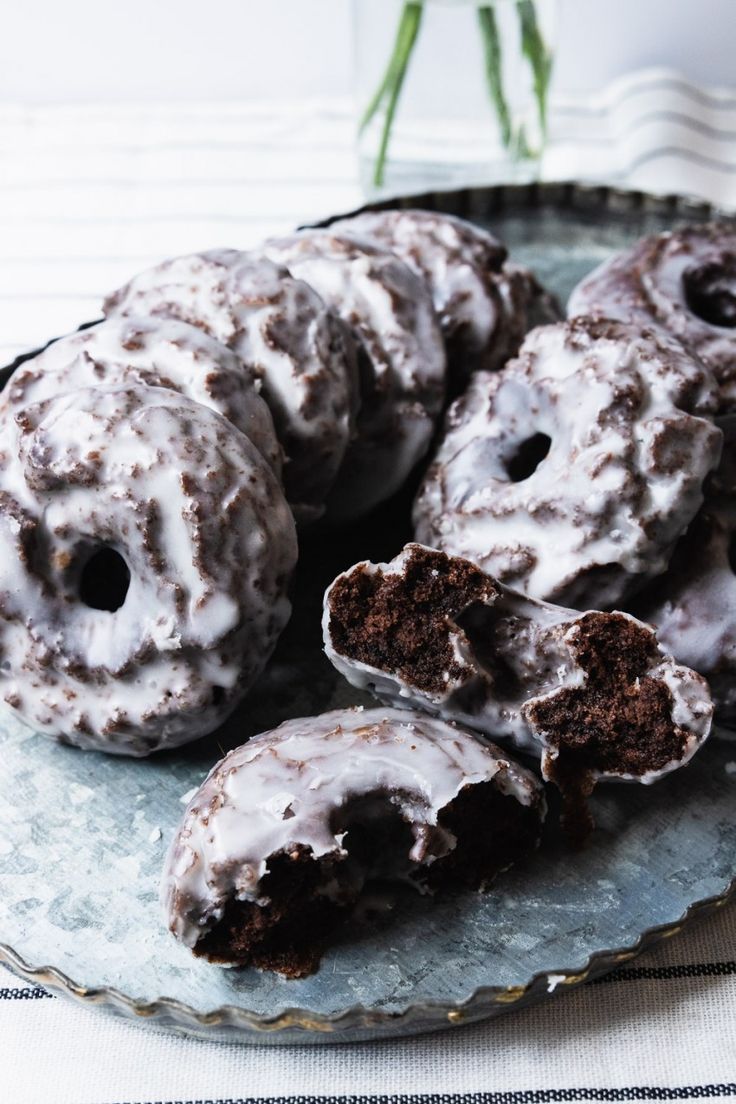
451	93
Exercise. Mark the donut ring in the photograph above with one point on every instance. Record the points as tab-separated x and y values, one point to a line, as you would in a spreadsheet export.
401	358
280	838
683	281
693	605
149	352
284	333
485	304
146	548
572	474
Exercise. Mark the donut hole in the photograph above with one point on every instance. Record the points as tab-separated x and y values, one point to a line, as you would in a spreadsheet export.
527	457
710	291
104	580
377	838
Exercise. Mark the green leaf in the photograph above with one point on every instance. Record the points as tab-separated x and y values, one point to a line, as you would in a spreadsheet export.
493	69
535	50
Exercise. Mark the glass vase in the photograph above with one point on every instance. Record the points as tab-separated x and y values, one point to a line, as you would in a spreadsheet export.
451	93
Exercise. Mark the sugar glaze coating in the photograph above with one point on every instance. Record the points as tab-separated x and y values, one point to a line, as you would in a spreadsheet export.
401	358
693	604
485	304
131	352
145	551
684	281
592	692
284	333
571	474
287	788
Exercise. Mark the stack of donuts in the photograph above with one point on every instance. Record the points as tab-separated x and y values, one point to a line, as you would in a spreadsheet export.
569	587
154	464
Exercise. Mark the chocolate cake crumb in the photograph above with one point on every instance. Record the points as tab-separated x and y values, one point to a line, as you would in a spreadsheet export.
621	720
399	622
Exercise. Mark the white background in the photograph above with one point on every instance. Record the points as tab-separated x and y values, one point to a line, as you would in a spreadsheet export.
235	49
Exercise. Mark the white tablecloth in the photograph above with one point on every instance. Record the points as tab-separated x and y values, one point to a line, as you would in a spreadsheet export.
92	193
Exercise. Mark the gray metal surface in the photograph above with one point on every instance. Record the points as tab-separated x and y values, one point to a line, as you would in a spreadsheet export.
82	836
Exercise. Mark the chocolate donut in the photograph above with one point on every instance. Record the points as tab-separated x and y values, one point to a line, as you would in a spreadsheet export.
485	304
591	695
683	281
150	352
571	474
280	839
285	334
401	358
145	551
693	605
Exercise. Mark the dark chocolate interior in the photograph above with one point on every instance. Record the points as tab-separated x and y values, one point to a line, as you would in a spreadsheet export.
399	622
621	720
289	932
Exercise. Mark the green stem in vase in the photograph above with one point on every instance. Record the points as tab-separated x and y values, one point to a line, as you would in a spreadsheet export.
535	50
494	77
393	80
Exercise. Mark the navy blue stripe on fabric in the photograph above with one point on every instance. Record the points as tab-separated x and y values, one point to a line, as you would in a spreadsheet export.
523	1096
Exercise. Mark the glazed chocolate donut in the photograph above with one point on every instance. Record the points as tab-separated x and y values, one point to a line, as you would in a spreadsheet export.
571	474
683	281
485	304
280	839
401	358
150	352
592	695
285	334
693	605
146	548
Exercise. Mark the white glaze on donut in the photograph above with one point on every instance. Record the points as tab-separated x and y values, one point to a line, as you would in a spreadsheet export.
652	284
485	306
201	523
284	788
131	352
284	333
402	360
508	660
621	412
693	605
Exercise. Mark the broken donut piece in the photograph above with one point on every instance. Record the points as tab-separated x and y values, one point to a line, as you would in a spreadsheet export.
284	833
591	694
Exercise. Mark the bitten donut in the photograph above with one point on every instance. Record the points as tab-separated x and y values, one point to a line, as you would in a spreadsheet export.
571	474
485	304
284	833
684	281
592	695
145	552
693	605
285	334
153	353
401	358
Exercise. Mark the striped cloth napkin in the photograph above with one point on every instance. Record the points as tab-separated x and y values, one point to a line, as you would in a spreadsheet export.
92	193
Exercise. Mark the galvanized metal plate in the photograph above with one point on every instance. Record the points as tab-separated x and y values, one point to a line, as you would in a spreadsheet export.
82	836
